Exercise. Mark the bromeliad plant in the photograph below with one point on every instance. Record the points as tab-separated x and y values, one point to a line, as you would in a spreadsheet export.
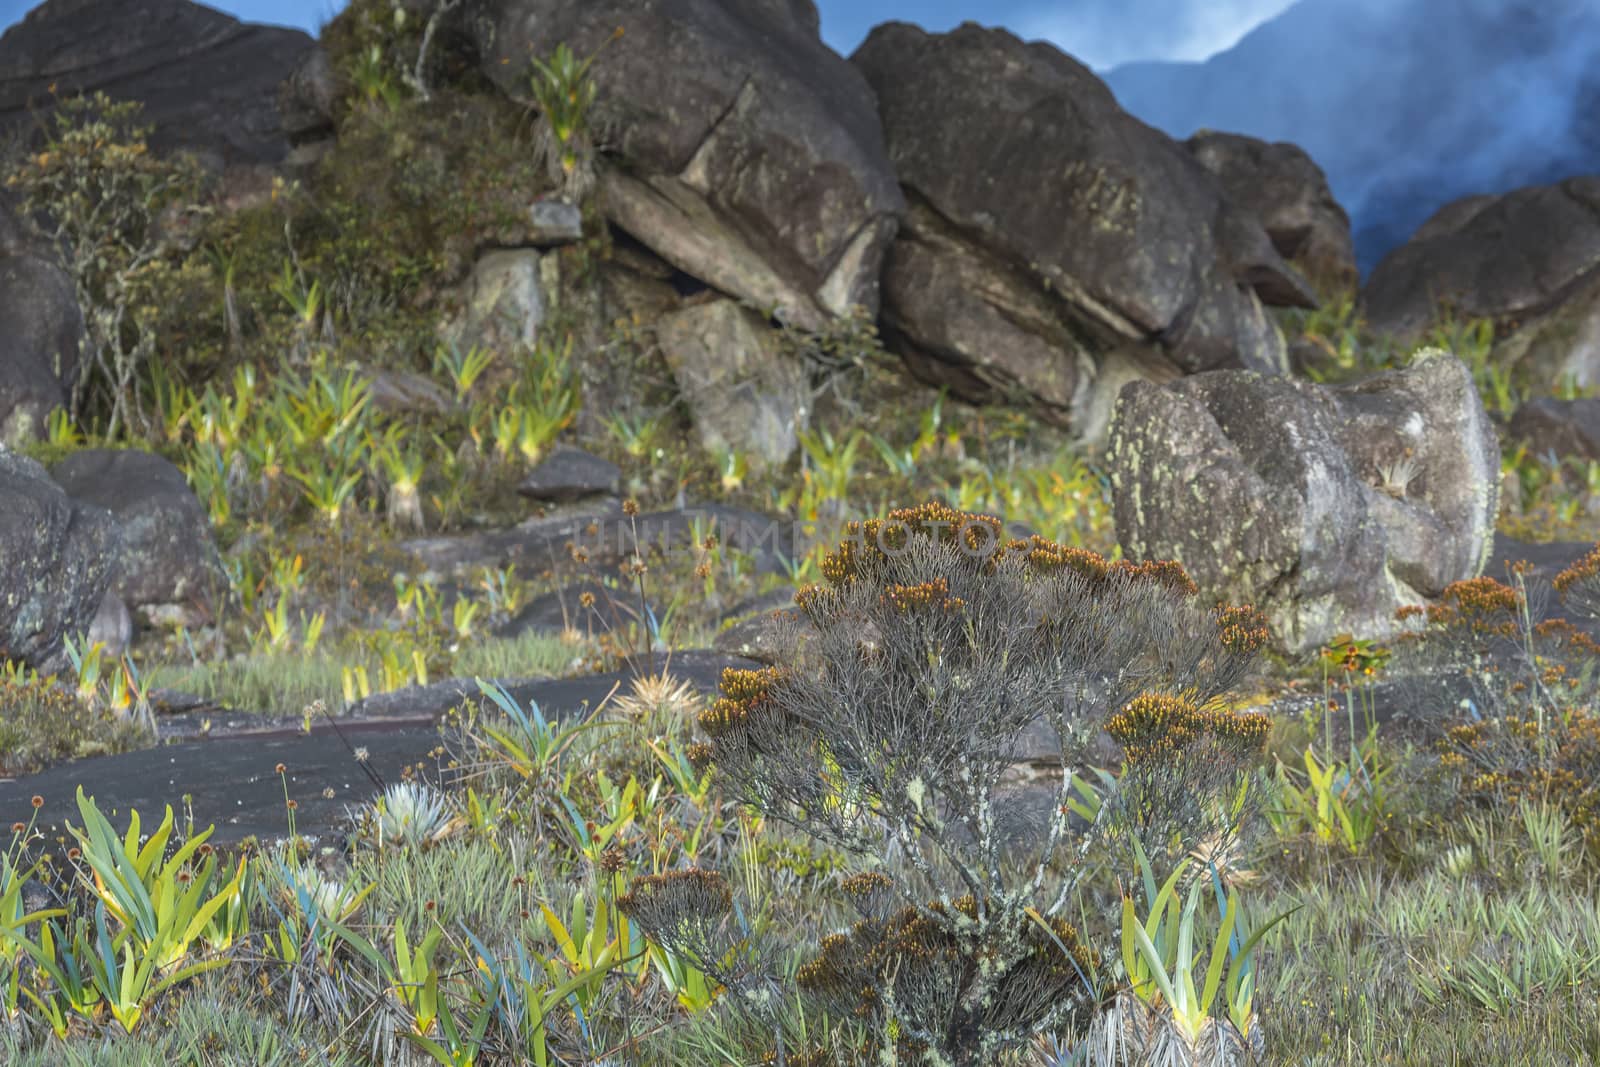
1166	1011
936	643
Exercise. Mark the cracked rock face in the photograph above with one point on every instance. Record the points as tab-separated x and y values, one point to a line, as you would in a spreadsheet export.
1328	508
740	148
1048	229
56	559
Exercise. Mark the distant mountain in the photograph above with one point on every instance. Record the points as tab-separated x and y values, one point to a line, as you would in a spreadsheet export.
1406	104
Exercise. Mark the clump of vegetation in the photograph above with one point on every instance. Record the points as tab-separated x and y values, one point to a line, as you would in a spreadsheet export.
937	642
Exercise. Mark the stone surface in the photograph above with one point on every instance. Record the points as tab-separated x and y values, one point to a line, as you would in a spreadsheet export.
742	391
165	556
231	779
562	611
569	474
503	303
1047	227
208	82
56	561
1562	428
112	626
1326	508
606	537
396	392
554	222
763	629
1281	185
747	153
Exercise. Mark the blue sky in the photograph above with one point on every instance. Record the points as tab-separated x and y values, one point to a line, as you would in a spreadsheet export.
1102	33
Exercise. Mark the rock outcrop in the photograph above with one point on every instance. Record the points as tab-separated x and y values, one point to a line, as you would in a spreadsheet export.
56	562
165	562
1328	508
1047	228
740	148
1284	188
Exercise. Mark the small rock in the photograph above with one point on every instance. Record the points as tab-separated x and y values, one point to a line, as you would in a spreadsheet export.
112	627
571	474
554	222
1563	428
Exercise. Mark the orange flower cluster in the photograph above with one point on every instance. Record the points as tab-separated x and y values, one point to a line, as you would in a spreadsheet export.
1241	628
1480	605
1158	726
743	692
1585	570
934	594
866	545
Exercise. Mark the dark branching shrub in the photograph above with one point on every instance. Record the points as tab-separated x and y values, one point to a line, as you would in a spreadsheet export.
934	643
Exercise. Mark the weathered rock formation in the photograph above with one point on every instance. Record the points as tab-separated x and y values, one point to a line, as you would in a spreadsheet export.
1530	260
1048	228
1282	186
1328	508
56	561
165	561
739	147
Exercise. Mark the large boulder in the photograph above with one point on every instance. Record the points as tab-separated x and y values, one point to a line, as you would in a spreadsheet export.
1328	508
1047	228
743	392
56	559
165	560
740	148
1529	260
208	82
1283	187
41	331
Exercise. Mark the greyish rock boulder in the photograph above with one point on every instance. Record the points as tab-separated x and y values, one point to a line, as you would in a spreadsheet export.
208	82
743	393
1047	228
747	153
1328	508
1529	260
1283	187
56	558
165	562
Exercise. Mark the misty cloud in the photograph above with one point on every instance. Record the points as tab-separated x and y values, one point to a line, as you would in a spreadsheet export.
1108	33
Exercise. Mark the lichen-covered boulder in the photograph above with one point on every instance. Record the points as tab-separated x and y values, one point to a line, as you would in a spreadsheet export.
740	148
1328	508
56	559
1047	227
165	560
